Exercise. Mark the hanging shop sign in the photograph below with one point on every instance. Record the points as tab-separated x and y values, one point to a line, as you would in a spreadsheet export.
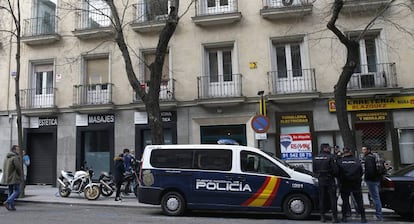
297	146
386	103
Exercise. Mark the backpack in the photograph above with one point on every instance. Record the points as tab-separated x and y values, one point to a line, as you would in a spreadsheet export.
379	164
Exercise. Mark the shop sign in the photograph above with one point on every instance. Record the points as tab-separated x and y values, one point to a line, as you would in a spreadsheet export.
371	116
37	122
168	116
294	119
386	103
297	146
101	118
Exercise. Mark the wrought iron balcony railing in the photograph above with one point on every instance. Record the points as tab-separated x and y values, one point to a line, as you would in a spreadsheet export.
292	81
285	3
381	75
92	94
216	7
40	26
219	86
166	90
37	98
94	19
151	11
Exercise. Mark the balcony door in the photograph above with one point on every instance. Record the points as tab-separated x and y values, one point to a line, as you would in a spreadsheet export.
42	91
289	73
97	88
220	73
43	21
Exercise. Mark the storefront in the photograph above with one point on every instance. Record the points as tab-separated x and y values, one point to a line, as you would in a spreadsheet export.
385	124
41	146
143	131
295	143
95	141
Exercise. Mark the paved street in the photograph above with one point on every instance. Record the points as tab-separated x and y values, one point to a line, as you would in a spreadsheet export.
44	206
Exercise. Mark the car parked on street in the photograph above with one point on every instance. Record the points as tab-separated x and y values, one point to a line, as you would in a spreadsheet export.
4	192
397	192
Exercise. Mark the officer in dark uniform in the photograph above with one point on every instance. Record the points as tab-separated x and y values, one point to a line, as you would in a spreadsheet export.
325	167
350	176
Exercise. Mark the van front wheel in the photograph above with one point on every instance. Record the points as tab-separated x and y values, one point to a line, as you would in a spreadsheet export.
297	206
173	204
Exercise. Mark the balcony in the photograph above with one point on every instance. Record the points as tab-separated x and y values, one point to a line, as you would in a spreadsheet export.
363	6
38	101
150	16
167	97
292	85
285	9
93	24
40	30
212	13
220	90
95	96
377	79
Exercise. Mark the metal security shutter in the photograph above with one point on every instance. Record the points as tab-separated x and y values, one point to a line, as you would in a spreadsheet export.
42	152
373	135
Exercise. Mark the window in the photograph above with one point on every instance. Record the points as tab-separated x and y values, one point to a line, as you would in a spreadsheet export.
44	13
254	163
203	159
149	58
220	65
96	80
155	10
96	14
288	60
213	7
406	142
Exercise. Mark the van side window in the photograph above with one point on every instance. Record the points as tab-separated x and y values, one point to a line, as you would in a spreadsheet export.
172	158
213	159
254	163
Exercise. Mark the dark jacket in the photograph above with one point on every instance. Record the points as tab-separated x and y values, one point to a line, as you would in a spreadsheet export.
12	169
325	168
370	165
119	169
350	173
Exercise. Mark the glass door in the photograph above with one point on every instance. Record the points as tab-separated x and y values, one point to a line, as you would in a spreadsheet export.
42	95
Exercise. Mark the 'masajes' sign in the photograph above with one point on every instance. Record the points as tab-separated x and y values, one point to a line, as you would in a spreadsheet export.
386	103
101	118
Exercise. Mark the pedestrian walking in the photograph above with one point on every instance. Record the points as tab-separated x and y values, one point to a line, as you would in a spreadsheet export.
119	169
373	180
12	176
26	164
350	176
325	167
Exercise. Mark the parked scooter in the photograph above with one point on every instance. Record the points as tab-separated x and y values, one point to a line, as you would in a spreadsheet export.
107	185
79	182
129	185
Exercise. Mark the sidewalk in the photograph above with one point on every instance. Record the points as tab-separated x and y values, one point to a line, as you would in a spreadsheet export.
49	194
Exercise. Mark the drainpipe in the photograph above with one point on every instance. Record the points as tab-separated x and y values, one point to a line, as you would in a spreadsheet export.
8	88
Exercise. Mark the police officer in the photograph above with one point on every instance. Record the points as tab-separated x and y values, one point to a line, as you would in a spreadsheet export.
350	176
325	167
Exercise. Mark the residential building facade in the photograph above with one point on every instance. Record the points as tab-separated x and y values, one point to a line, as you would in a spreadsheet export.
78	105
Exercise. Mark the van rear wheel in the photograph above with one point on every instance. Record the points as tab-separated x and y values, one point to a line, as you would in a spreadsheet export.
297	206
173	204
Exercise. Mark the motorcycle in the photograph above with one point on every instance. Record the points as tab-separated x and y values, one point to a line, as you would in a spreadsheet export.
80	181
108	187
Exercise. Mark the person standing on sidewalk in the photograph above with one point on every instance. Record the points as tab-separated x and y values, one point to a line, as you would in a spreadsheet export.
325	167
26	164
12	176
350	176
373	180
119	169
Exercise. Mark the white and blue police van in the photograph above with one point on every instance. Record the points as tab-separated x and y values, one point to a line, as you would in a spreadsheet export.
223	177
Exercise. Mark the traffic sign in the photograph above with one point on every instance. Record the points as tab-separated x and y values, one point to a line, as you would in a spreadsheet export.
260	123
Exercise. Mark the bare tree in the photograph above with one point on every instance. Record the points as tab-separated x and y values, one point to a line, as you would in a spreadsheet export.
352	57
150	99
12	8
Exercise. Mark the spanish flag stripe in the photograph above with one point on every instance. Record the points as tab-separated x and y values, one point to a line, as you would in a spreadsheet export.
258	192
265	194
273	194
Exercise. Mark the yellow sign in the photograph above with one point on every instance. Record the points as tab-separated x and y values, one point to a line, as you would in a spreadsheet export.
253	65
386	103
